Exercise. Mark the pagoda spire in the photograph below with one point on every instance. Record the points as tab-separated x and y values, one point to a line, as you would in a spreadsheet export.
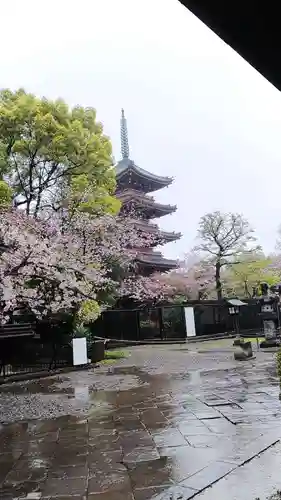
124	136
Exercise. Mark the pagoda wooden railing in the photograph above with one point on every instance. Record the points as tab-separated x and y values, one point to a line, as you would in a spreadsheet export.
128	193
133	195
154	228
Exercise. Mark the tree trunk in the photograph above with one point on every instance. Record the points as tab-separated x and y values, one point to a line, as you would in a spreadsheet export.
38	204
27	209
246	290
218	280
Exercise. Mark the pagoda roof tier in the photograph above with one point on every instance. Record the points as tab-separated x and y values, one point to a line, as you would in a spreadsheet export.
129	174
144	205
166	236
154	261
169	236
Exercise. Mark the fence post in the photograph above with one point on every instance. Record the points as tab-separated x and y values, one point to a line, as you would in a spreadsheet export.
137	313
161	324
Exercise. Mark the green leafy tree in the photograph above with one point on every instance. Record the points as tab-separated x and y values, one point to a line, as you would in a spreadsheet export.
83	196
6	194
44	145
252	269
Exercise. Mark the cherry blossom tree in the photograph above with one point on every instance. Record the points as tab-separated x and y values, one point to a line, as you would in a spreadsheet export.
39	268
115	241
192	280
148	289
49	270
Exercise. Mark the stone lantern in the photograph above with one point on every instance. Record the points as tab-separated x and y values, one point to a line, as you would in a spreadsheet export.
234	310
270	314
243	350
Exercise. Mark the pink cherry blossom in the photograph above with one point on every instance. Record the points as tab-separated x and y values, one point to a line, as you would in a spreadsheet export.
52	267
193	279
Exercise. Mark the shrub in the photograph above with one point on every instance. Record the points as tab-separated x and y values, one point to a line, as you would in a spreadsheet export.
89	311
81	331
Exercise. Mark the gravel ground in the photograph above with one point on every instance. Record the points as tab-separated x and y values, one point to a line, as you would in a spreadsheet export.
34	406
51	397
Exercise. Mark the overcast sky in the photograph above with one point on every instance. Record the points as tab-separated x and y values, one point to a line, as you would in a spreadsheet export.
195	109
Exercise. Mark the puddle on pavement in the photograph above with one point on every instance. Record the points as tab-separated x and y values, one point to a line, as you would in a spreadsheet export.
47	385
140	425
127	370
195	377
126	377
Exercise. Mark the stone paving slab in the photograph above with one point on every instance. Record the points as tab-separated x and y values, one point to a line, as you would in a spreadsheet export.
176	493
164	424
208	476
149	493
259	478
246	453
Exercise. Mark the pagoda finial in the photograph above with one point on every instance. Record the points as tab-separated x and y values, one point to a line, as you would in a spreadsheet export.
124	136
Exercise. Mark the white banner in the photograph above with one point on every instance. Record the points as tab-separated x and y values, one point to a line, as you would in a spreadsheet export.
189	322
79	347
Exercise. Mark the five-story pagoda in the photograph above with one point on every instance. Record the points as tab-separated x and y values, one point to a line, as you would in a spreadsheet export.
133	186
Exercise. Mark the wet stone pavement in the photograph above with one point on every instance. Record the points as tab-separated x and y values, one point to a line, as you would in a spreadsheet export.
167	423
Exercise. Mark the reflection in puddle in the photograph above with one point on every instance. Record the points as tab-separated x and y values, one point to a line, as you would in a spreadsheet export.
48	385
37	463
81	393
195	377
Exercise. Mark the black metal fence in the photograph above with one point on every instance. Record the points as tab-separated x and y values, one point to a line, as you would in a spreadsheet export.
51	347
146	324
168	322
213	317
30	355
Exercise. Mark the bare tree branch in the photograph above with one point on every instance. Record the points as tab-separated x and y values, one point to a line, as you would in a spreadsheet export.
224	237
